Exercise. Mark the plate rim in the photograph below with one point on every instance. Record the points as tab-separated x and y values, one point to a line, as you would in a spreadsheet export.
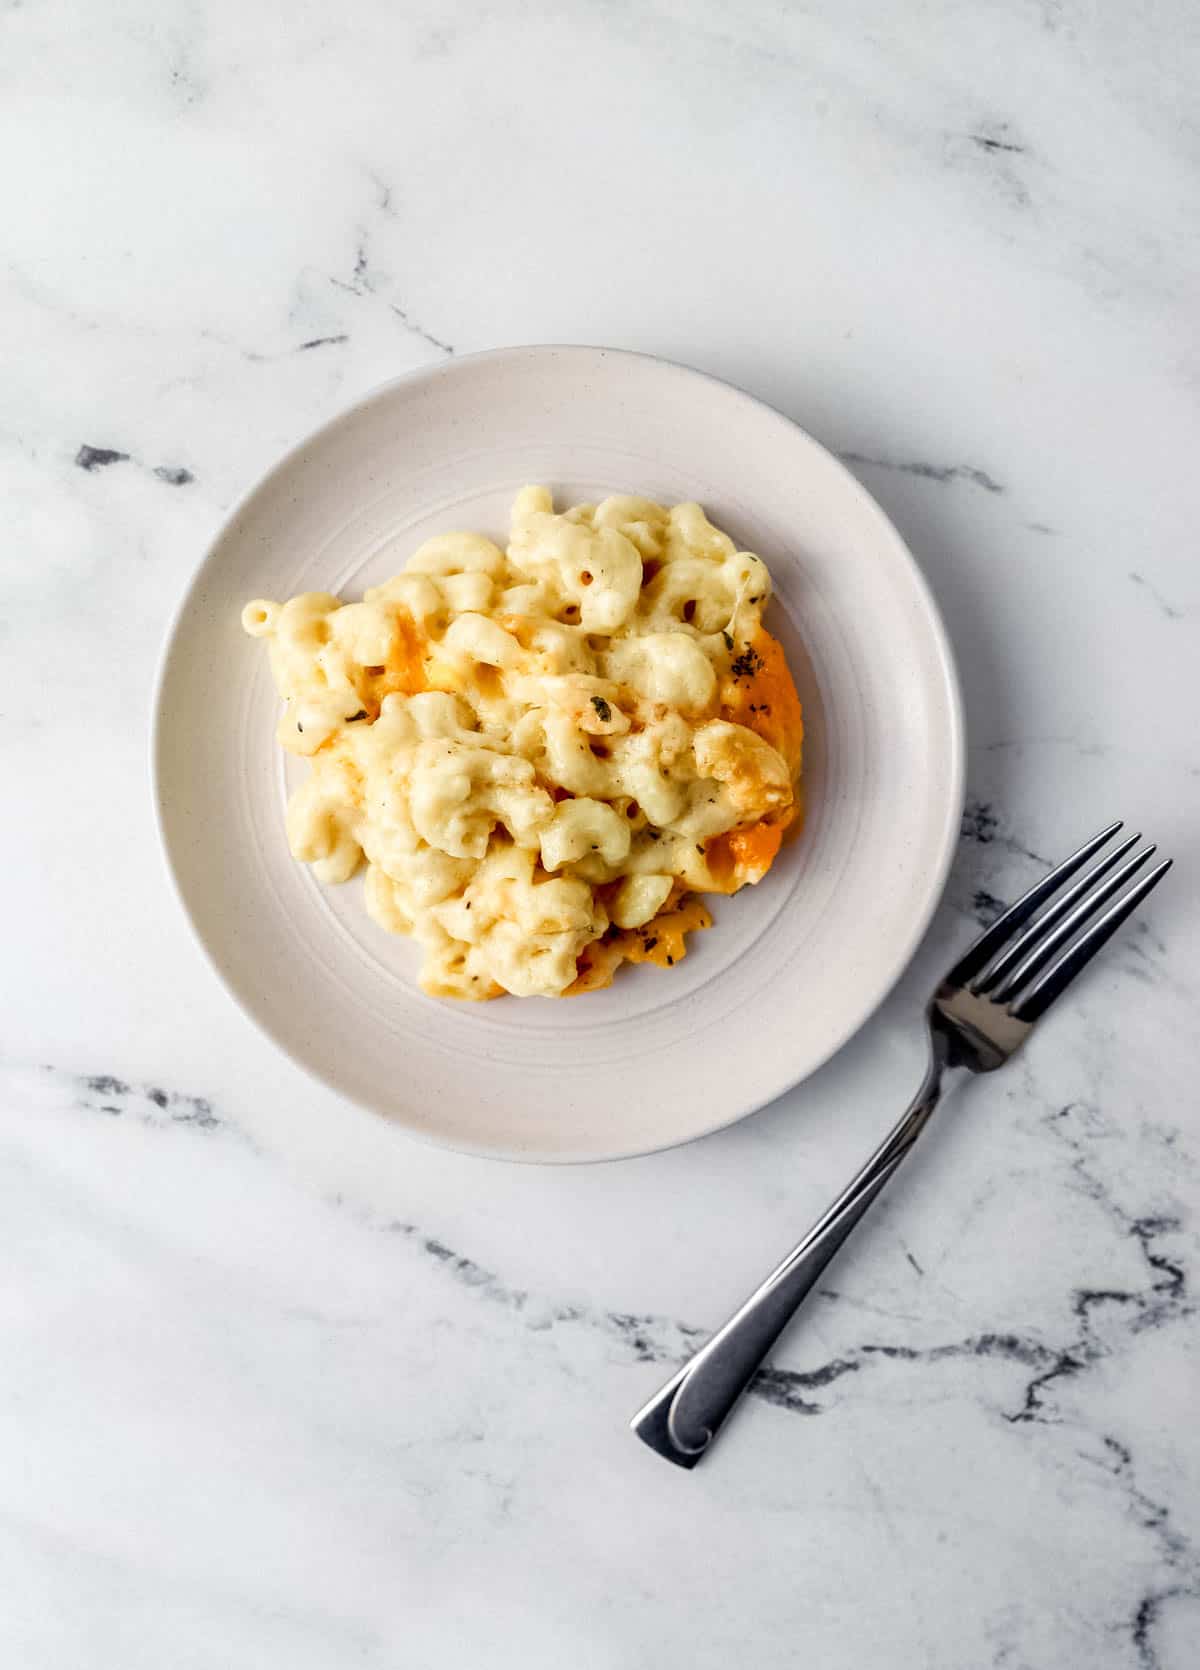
949	678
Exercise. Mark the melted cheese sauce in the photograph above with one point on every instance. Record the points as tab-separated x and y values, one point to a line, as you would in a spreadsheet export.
662	942
763	698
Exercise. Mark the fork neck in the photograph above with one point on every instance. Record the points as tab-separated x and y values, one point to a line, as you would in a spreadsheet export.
945	1069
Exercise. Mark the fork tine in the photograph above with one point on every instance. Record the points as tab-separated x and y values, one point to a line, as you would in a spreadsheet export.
1046	943
1054	982
1012	953
990	941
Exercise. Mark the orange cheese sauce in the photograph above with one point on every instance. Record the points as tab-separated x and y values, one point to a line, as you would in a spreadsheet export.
745	854
765	700
661	941
404	673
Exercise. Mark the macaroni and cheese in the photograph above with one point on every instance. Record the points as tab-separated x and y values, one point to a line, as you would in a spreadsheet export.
542	753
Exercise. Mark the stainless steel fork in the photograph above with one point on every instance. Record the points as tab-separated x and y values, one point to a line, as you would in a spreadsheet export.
982	1011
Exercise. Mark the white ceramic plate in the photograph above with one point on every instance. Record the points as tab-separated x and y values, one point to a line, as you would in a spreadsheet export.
790	969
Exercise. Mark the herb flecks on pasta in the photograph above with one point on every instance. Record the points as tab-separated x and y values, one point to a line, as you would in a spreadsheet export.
543	754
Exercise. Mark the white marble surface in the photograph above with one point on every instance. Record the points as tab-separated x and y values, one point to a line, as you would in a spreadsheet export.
279	1386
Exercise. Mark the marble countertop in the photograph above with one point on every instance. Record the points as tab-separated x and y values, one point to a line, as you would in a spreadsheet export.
282	1387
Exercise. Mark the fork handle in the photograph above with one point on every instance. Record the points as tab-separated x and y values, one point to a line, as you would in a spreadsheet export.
682	1420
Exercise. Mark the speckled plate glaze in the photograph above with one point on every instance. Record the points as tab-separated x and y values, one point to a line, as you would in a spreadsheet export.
790	969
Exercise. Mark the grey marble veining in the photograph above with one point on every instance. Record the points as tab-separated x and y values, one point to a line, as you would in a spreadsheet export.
282	1387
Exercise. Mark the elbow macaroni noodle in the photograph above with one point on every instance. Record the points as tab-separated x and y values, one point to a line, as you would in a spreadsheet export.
542	753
